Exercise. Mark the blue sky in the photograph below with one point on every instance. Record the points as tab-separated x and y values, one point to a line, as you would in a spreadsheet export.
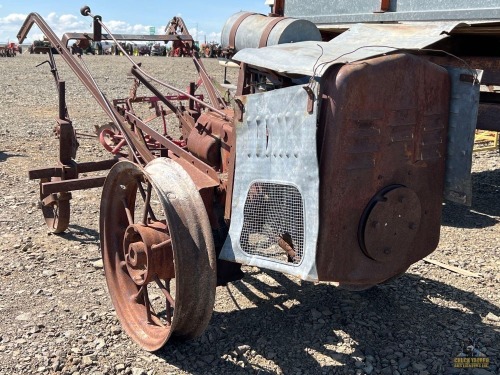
203	17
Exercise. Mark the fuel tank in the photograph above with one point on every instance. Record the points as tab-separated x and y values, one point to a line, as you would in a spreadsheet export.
251	30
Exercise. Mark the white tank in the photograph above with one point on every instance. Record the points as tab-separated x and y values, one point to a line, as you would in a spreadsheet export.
252	26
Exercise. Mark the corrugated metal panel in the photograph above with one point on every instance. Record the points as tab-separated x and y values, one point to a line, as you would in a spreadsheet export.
360	42
276	184
335	12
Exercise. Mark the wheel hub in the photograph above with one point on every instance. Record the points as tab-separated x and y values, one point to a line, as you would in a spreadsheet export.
148	252
390	223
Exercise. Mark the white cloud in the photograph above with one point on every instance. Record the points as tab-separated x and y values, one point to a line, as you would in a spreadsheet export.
140	29
13	18
60	24
117	26
201	35
121	27
214	37
51	18
10	26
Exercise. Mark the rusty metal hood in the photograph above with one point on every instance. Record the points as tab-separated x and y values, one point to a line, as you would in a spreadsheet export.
360	42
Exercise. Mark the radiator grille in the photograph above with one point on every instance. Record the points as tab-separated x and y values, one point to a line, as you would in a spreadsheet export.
273	211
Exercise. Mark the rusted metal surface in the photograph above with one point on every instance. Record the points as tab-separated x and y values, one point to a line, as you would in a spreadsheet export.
84	77
385	5
389	223
84	167
148	250
388	175
490	66
178	251
278	8
176	29
214	96
81	183
55	208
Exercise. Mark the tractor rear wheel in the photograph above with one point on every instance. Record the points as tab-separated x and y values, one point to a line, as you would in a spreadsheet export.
158	252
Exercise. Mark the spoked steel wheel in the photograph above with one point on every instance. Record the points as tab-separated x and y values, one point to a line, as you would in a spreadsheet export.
158	252
55	208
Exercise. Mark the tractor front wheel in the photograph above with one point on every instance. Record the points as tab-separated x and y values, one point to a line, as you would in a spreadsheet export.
158	252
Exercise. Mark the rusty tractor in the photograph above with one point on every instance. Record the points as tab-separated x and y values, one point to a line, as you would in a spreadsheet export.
329	165
212	49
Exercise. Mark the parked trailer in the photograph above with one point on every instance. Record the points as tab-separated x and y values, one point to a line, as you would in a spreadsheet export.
330	166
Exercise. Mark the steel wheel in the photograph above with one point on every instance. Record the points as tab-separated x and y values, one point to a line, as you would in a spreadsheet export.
160	273
55	208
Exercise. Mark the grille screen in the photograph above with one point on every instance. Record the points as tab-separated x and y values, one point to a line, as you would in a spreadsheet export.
273	222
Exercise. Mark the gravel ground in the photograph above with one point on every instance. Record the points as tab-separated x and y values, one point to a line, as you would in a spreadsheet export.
56	315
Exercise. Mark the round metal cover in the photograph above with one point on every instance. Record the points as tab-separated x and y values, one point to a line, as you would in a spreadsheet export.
391	223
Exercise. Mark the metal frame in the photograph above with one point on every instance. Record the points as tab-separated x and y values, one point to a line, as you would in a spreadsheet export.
123	119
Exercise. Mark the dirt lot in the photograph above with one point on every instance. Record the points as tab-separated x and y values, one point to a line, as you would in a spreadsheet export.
56	315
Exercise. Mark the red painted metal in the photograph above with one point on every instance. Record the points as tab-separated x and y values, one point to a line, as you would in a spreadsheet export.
385	5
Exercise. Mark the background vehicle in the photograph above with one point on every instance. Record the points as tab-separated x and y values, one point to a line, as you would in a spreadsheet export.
158	50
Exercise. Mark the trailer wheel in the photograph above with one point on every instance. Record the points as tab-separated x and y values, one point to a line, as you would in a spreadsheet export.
55	208
158	252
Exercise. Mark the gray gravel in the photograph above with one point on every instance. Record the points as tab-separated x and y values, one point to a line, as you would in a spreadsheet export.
57	317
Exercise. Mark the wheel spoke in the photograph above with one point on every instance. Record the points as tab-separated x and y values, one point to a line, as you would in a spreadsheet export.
161	244
143	195
146	207
135	297
165	291
127	211
145	295
147	303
